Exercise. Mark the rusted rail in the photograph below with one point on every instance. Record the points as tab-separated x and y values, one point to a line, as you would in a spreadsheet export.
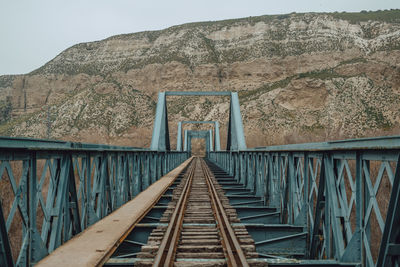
94	246
166	253
233	252
231	247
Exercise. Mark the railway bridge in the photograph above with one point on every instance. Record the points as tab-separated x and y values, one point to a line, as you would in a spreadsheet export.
77	204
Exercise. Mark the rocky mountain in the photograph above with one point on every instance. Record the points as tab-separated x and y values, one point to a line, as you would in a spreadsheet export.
309	76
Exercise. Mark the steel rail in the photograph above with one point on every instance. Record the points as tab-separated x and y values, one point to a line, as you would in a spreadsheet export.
123	237
233	252
166	252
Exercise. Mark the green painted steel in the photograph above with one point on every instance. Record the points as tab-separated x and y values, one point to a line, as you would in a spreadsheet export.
379	143
389	253
7	142
6	259
160	138
217	142
197	93
236	139
57	189
331	190
191	134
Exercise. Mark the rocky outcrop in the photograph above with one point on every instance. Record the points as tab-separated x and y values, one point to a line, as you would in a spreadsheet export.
318	75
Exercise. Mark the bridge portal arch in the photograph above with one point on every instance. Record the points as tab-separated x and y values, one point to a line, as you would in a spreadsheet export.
160	139
192	134
215	146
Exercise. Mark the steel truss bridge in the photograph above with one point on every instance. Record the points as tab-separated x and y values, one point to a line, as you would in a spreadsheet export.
331	203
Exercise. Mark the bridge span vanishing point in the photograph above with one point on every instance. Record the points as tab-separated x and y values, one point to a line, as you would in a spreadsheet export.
77	204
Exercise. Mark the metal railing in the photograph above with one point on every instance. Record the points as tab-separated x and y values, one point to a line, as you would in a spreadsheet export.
340	192
52	190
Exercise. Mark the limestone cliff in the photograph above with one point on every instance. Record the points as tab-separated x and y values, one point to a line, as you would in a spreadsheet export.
314	74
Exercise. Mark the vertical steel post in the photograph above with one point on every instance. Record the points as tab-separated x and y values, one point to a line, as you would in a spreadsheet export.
353	252
6	259
36	248
160	137
291	180
236	139
389	252
179	137
210	141
216	136
185	144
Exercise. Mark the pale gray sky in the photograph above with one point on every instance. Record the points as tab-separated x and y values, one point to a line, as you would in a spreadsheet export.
33	32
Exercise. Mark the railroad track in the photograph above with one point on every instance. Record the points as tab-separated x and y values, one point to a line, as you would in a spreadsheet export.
199	227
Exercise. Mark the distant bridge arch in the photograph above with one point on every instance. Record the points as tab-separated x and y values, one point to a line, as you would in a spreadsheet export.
214	146
235	138
191	134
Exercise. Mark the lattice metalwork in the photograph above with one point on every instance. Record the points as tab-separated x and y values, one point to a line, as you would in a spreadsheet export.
339	191
48	195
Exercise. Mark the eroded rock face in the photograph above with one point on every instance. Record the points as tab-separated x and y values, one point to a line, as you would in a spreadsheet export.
308	74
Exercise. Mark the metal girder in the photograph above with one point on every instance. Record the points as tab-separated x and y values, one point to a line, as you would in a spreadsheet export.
65	190
179	137
198	122
185	145
197	93
217	139
13	143
160	138
210	140
389	253
378	143
190	134
317	229
236	139
91	248
283	239
216	146
329	189
6	259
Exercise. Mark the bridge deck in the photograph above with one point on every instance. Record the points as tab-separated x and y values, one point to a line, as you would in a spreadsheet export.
95	244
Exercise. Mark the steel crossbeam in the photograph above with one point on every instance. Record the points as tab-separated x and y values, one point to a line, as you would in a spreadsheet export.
217	142
191	134
160	140
197	93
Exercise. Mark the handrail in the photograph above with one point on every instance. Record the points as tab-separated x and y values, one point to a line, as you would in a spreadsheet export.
7	142
338	187
72	184
382	142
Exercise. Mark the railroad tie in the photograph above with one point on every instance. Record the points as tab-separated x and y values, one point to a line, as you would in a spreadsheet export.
189	233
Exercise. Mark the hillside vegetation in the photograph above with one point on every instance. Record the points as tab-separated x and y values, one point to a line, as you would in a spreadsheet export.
300	77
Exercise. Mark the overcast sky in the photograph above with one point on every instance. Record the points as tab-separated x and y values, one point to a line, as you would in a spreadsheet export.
33	32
